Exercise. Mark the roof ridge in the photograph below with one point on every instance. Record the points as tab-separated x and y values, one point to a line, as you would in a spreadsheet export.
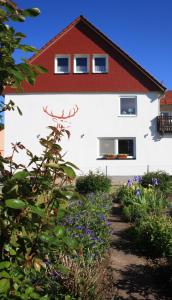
115	46
63	31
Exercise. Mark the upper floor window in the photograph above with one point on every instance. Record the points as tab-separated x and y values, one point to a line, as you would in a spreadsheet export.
100	63
81	64
128	105
62	64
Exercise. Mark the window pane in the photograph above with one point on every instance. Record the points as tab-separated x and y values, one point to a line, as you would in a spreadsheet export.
126	146
128	106
100	64
81	64
106	146
62	65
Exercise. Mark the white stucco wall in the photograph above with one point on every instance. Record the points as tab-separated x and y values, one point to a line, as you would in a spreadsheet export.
98	116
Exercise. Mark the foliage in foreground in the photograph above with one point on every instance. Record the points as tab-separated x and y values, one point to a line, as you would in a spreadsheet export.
44	224
154	233
93	183
159	179
146	209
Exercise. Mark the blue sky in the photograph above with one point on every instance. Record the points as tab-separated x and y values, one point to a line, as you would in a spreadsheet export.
142	28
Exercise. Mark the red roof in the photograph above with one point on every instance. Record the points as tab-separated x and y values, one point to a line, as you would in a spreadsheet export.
167	98
81	37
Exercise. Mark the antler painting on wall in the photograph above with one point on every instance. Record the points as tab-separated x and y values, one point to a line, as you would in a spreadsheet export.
60	119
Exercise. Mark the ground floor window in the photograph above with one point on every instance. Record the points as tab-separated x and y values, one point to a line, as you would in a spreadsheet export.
117	145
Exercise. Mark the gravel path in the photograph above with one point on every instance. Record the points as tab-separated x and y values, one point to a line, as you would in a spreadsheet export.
134	276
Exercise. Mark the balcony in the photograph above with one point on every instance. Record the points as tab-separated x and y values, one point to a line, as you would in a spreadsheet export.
164	124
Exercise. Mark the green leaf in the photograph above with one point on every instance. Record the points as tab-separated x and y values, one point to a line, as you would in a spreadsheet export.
40	69
34	295
4	274
4	285
69	171
31	12
16	74
61	213
15	203
2	13
71	243
21	175
72	165
20	35
27	48
5	264
37	210
17	18
59	231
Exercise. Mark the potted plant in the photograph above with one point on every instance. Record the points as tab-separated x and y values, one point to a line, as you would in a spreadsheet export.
122	156
109	156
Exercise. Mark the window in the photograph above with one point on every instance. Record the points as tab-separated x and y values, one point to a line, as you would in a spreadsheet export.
115	145
128	105
126	146
81	64
62	64
106	146
100	63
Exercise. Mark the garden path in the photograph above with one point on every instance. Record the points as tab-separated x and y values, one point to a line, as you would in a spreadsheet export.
134	276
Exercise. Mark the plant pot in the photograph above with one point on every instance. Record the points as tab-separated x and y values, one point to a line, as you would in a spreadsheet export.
109	156
122	156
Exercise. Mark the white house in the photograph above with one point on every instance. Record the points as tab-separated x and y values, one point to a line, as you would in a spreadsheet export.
118	101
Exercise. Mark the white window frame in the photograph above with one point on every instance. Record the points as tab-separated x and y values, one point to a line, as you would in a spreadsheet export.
129	97
88	63
106	63
116	145
56	63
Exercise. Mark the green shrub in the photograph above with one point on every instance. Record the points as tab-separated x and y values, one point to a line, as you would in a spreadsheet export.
93	183
160	180
154	234
138	201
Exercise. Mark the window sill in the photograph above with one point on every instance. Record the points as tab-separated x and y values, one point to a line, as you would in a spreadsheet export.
56	73
100	72
126	115
128	158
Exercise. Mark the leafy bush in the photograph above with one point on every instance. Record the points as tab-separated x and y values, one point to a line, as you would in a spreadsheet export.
154	233
138	201
32	205
87	222
44	224
92	183
160	180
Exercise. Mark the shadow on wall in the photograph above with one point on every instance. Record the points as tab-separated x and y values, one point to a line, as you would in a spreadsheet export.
153	129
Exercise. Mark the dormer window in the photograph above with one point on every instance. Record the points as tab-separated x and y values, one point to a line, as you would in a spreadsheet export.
81	64
100	63
62	64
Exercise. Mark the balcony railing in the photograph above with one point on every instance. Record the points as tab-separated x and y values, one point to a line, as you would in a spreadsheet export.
164	124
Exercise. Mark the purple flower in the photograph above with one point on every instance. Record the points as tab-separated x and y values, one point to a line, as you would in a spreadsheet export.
138	192
78	227
155	181
88	231
108	223
102	217
130	182
138	179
